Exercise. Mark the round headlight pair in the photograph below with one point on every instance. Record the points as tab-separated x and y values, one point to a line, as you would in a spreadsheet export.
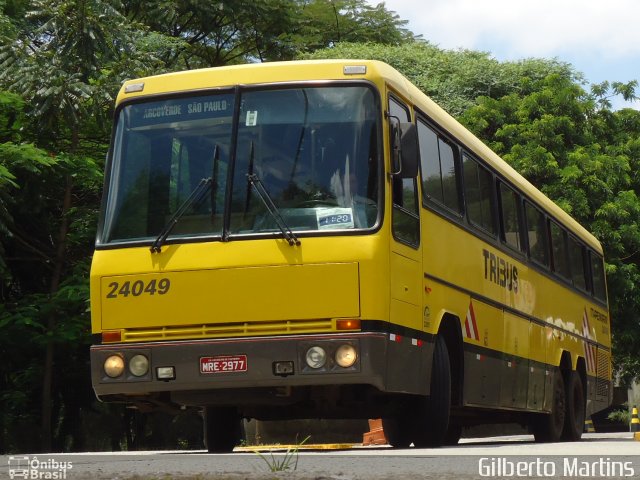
114	366
345	356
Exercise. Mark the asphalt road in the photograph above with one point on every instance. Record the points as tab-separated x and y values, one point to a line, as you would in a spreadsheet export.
597	456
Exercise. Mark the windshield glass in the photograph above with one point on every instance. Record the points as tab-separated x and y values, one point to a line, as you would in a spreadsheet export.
315	150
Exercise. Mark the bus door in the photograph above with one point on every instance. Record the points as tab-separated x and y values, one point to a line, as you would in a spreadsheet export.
405	270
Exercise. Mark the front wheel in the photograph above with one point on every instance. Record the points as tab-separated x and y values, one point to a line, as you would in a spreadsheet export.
222	429
432	421
398	431
454	432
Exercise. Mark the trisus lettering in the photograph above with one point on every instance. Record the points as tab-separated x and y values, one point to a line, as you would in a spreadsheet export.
500	271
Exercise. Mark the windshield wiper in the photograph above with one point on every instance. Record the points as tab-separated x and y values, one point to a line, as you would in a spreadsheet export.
257	184
196	195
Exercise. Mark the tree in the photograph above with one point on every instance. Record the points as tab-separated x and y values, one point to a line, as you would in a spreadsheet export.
325	23
209	34
51	63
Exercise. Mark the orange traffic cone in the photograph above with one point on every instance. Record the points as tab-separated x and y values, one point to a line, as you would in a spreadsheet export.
375	435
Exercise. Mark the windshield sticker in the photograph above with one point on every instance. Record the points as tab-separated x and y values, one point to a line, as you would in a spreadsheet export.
334	218
252	118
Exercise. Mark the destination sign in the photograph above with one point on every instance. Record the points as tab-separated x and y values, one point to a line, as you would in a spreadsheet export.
180	109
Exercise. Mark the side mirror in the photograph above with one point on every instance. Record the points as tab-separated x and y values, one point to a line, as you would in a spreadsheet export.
408	150
404	149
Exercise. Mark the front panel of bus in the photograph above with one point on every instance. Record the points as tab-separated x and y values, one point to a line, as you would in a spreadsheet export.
241	243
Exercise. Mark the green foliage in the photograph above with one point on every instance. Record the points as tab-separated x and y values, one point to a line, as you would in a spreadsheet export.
11	118
324	24
621	416
208	33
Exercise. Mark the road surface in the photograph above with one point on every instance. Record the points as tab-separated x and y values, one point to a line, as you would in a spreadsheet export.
600	456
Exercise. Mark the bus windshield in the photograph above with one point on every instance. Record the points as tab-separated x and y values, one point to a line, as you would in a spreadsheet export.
315	149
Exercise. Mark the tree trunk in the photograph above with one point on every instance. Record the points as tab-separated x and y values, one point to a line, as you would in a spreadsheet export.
56	277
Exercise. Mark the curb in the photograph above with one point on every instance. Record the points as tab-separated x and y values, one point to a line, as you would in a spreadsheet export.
284	448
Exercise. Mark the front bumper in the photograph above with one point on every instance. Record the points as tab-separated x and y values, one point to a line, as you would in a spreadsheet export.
261	355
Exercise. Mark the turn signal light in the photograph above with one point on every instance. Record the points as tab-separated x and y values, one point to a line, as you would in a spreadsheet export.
111	336
348	324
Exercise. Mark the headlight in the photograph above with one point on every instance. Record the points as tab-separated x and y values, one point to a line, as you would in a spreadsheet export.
316	357
139	365
114	366
346	356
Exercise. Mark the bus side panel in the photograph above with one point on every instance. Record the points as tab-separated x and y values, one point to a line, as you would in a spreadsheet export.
483	360
537	367
515	368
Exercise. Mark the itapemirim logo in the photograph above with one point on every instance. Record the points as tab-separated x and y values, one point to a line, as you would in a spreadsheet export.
36	469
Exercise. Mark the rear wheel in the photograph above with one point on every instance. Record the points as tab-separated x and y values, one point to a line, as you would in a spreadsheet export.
575	408
548	428
432	420
222	429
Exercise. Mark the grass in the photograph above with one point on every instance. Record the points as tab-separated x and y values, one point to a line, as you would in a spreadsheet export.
285	462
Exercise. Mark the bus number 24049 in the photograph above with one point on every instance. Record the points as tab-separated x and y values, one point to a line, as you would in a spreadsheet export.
139	287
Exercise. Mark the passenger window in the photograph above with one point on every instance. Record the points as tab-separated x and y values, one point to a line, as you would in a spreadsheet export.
478	189
406	220
450	182
438	162
510	219
597	276
559	249
537	234
576	257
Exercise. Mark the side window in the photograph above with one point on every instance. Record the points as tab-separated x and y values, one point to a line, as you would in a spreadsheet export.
438	162
597	276
405	219
537	234
510	219
478	190
576	257
559	250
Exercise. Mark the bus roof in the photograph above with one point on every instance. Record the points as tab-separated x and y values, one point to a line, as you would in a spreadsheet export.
377	72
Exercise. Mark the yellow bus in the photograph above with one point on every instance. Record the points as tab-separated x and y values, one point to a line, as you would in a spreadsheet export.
319	239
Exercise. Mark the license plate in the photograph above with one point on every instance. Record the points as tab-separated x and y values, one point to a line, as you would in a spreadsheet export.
223	364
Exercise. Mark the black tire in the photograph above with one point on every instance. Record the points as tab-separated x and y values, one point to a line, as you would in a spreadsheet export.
452	437
548	427
398	431
432	421
575	408
222	429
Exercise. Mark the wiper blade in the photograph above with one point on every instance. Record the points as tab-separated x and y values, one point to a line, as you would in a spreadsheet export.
257	184
196	195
